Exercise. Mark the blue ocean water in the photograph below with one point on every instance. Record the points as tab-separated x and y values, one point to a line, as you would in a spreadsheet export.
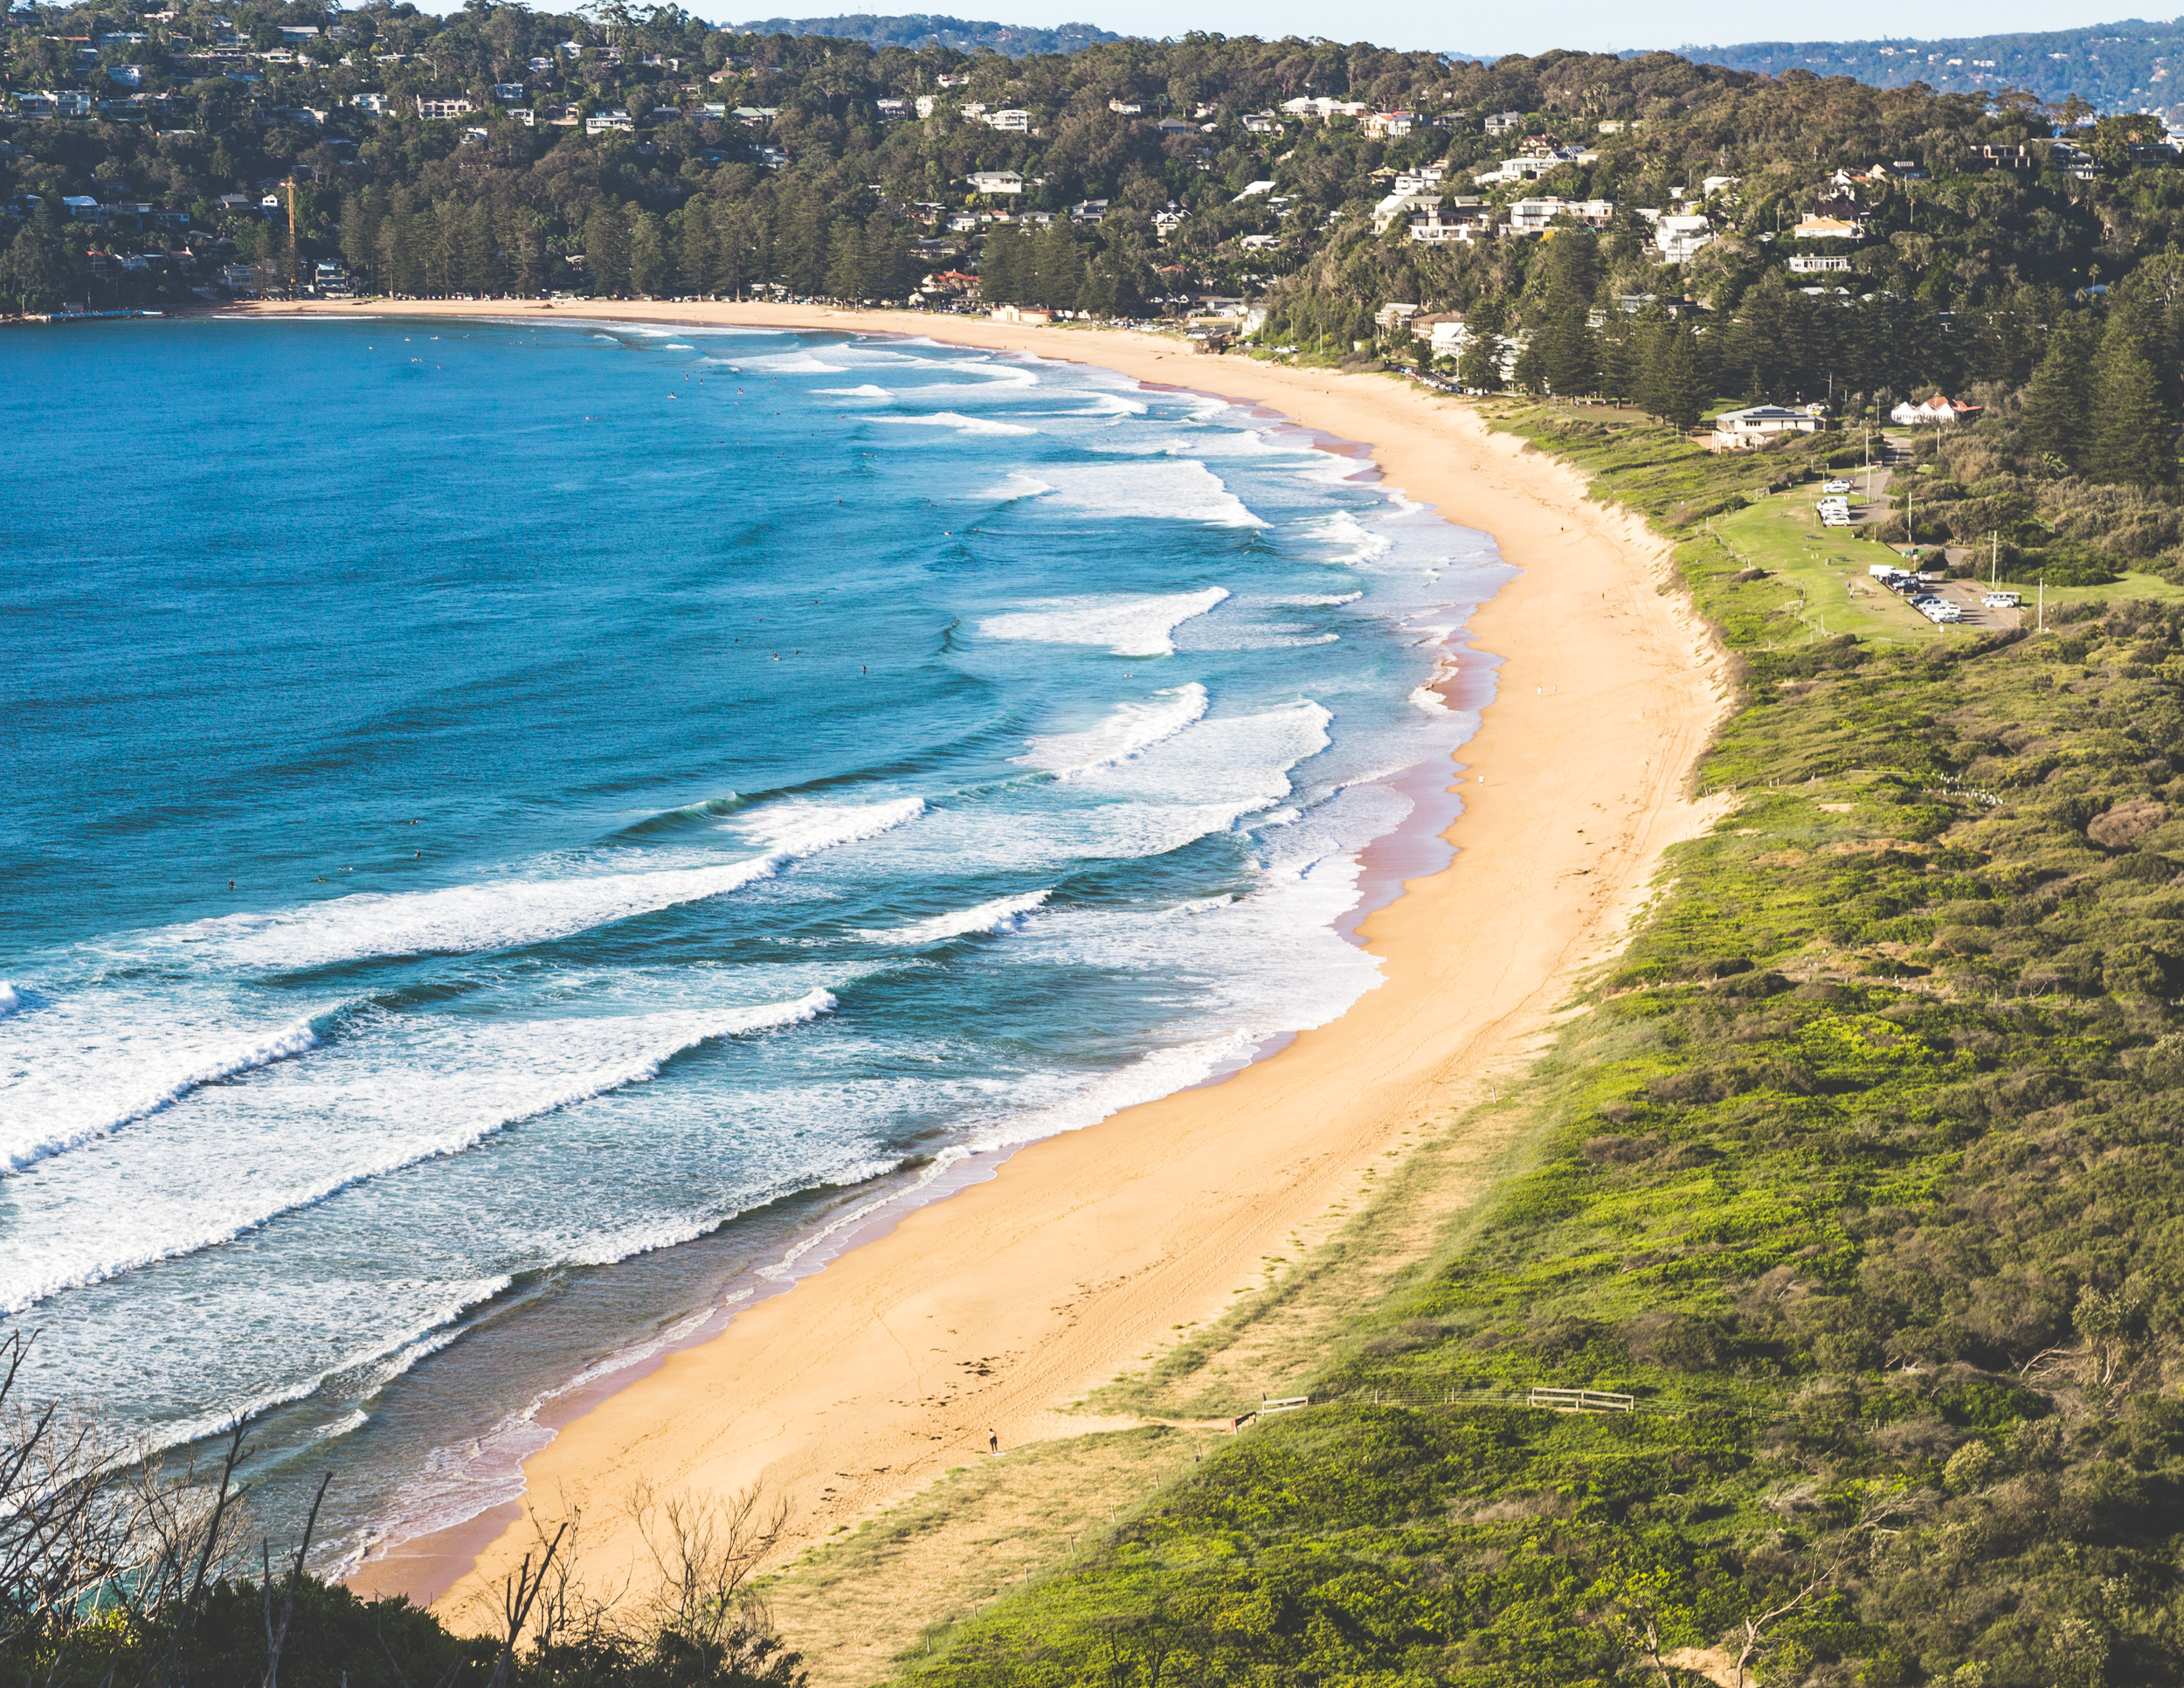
514	829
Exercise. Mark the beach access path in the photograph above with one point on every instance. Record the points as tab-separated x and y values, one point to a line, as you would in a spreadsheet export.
993	1309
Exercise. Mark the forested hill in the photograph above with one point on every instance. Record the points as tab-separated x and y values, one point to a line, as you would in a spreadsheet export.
920	29
2128	66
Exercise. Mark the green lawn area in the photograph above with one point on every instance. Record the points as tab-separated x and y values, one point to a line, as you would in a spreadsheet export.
1823	567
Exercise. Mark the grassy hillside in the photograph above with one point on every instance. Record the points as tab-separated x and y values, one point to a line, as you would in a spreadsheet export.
1858	1172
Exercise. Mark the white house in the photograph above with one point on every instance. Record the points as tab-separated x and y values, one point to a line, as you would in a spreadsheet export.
1252	191
1810	227
1937	410
1321	105
892	111
995	182
1505	122
1529	168
1531	216
374	103
1386	125
1126	107
441	106
1264	122
1740	430
508	93
1397	206
1679	237
602	122
1813	266
1467	220
1009	123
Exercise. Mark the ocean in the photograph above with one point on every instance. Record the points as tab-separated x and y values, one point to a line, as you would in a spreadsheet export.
521	838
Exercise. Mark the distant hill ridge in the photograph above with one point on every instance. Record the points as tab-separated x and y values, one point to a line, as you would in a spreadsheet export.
2131	65
927	29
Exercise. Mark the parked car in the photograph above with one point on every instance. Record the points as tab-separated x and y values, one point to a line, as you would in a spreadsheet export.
2001	600
1836	486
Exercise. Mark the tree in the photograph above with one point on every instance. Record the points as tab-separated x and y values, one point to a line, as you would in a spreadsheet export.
2134	437
2059	404
606	251
1569	361
845	267
32	275
1005	268
1672	383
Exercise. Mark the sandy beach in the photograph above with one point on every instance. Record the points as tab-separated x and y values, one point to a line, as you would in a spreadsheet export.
986	1312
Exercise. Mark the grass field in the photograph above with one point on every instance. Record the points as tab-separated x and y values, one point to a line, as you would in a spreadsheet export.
1824	568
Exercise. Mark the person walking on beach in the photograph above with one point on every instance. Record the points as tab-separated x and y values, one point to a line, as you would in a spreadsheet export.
993	1442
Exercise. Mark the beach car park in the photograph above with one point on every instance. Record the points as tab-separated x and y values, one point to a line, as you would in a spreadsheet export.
1836	486
2001	600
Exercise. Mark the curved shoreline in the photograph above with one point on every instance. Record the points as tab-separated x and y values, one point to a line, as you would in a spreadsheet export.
986	1309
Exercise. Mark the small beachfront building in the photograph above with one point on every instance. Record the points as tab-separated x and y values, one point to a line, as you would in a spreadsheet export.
1937	410
1756	426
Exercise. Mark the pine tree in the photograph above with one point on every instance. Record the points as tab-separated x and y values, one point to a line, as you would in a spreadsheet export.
606	251
651	274
695	242
2059	404
1003	268
1058	266
2134	439
1479	366
1618	357
1568	361
1672	381
846	262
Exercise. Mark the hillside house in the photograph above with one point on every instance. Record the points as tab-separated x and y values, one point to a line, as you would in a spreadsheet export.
1677	238
1534	216
1811	227
1388	125
1505	122
439	107
1464	220
1010	122
1529	167
1322	106
1805	264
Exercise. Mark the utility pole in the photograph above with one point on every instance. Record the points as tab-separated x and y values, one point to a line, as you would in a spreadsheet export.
291	185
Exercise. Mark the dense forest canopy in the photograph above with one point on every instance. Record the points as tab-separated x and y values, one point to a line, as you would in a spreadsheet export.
2125	66
652	153
920	29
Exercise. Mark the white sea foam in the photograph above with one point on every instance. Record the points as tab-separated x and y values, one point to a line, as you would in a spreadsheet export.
1340	538
1128	626
11	999
511	913
866	391
39	1113
1017	485
1129	729
796	363
1003	914
964	425
1182	489
447	1095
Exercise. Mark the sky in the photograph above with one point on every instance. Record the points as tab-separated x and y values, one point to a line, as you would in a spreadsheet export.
1601	25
